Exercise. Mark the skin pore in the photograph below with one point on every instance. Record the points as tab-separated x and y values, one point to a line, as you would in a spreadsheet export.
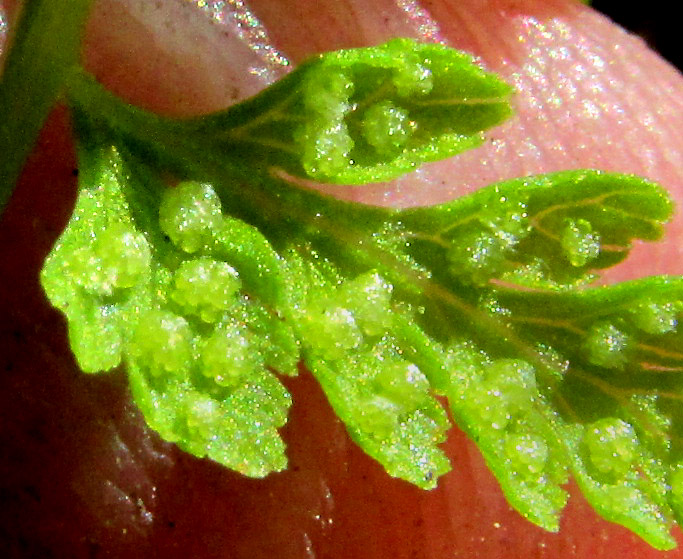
589	96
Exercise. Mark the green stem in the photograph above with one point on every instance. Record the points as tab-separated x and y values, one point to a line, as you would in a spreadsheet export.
46	44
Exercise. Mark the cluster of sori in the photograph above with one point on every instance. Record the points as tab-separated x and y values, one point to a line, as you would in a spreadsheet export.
350	127
579	242
199	343
476	300
350	341
489	247
611	345
612	448
100	270
215	332
483	247
366	117
499	400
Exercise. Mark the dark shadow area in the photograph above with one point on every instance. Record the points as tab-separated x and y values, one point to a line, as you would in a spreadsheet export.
654	22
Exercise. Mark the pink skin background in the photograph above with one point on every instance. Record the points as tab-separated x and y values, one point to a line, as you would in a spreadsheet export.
81	475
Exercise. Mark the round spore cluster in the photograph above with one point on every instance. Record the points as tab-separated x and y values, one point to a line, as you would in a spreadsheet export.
325	140
527	453
392	388
198	329
402	383
124	255
228	328
612	446
202	413
349	328
606	346
412	78
206	288
328	95
505	392
579	242
350	125
348	316
654	317
369	298
162	340
189	214
118	258
499	403
387	127
480	252
227	357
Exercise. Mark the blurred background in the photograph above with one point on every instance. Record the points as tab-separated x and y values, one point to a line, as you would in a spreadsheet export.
654	21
